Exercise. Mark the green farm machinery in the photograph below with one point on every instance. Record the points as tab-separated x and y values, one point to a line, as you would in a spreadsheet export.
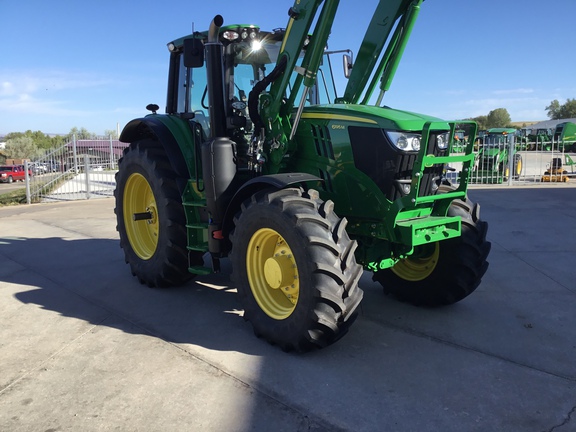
493	164
565	137
260	160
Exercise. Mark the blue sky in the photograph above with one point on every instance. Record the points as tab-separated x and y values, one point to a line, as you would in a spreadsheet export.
97	64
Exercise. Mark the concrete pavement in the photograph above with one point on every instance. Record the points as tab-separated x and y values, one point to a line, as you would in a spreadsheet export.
83	346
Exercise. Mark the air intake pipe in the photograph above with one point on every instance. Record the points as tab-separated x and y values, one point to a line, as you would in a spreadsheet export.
218	166
215	78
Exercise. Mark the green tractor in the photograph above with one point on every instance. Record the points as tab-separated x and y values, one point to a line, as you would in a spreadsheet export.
540	139
492	163
565	137
260	160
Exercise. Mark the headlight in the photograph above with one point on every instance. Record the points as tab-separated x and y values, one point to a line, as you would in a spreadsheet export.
230	35
405	141
442	141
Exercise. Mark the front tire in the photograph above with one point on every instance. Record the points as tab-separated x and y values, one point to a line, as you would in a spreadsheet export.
295	270
150	217
446	272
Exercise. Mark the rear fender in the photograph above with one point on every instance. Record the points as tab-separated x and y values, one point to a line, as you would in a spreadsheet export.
176	138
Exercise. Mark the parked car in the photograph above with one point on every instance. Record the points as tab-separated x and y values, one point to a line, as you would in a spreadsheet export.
10	173
40	168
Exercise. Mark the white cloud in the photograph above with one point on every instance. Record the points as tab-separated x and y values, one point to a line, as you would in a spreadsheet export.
513	91
29	82
46	93
29	105
7	88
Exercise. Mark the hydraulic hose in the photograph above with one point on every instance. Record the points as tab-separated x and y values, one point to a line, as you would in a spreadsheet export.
259	88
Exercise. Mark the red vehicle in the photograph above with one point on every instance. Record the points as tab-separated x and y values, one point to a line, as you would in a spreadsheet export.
10	173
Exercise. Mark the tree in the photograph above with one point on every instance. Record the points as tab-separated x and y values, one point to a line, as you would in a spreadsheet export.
111	133
81	133
553	109
21	148
481	120
40	139
498	118
556	111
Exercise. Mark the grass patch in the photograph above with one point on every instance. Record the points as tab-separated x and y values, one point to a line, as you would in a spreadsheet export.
15	197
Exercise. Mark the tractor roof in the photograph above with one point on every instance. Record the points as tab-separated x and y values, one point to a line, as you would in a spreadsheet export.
232	33
501	131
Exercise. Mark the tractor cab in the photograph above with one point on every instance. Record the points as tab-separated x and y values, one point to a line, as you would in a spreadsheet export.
248	55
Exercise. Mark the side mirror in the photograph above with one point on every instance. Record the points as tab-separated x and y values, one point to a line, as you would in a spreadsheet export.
348	65
193	53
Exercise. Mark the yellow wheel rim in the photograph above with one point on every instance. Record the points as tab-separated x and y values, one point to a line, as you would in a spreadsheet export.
139	200
272	273
519	167
417	267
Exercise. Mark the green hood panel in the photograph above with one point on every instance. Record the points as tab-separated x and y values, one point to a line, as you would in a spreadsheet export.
385	117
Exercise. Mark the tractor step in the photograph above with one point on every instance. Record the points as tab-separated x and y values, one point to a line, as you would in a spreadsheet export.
199	270
197	236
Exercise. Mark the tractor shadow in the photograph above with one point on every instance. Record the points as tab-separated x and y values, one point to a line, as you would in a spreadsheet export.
87	279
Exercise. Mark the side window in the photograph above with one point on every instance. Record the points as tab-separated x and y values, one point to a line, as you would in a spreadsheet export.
243	82
192	95
198	96
323	91
326	84
182	78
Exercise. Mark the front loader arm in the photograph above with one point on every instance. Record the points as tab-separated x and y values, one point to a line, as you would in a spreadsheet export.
386	15
275	108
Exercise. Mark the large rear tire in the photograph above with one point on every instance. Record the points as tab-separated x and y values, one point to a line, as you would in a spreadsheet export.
446	272
150	217
295	270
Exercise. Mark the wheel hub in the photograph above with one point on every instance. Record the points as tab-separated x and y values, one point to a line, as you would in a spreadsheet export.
141	216
420	265
278	271
272	273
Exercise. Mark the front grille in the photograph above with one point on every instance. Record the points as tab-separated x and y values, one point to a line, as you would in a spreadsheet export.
389	167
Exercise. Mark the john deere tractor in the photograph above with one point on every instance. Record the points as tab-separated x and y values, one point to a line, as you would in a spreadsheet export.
260	159
493	158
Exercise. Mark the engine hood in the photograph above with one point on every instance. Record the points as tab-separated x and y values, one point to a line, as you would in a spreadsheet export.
385	117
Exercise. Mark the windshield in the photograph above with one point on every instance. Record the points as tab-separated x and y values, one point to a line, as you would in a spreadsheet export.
492	140
245	64
252	65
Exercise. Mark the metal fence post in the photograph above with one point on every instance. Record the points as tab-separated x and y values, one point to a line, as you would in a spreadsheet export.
511	150
27	179
87	174
75	154
111	155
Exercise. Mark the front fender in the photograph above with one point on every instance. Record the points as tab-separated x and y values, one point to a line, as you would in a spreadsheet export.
276	181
